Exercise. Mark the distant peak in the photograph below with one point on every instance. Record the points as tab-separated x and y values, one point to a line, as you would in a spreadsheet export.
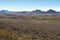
4	10
51	11
37	10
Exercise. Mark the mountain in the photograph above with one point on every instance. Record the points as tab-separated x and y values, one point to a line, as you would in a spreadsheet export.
51	11
4	11
30	12
36	11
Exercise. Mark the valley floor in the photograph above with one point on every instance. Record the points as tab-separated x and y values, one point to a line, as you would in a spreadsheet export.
29	27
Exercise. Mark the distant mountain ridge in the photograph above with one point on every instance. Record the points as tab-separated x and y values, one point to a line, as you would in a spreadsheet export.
50	11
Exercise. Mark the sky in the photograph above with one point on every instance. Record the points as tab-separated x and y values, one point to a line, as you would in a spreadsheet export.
29	5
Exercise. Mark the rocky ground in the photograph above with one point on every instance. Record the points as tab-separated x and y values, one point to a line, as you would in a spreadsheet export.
29	27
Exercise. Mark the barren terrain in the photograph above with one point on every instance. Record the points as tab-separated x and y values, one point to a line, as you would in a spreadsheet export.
29	27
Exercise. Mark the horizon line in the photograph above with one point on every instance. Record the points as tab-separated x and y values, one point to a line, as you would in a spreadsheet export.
31	10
